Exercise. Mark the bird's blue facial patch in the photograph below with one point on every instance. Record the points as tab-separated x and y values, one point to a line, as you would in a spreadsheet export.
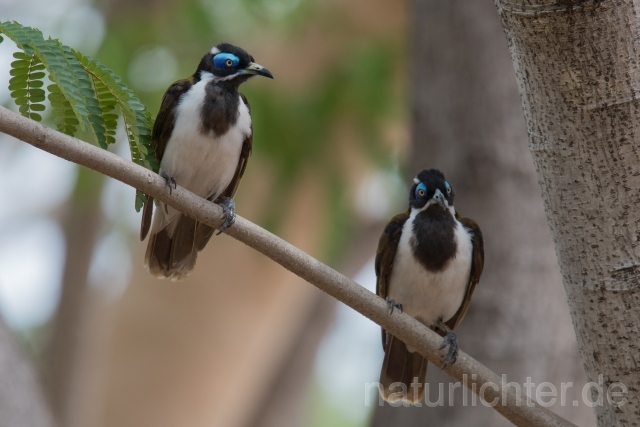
421	191
226	61
448	187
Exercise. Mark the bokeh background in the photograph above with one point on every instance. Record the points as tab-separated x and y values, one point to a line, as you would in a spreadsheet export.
367	93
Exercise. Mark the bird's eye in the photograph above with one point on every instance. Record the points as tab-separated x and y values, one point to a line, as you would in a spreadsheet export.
448	186
225	61
421	191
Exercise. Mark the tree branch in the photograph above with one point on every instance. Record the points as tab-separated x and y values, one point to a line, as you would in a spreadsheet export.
522	412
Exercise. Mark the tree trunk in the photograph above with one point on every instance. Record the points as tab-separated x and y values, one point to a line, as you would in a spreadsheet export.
467	122
81	223
577	68
211	350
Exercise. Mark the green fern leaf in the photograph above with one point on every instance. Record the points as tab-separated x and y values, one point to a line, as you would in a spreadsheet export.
25	85
63	116
108	105
137	120
86	89
84	94
68	74
53	57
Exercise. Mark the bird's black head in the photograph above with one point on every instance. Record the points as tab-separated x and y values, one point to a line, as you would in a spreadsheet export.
431	188
230	63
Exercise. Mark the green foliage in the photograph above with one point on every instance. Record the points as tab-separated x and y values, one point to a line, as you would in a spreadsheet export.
26	84
64	117
295	132
84	94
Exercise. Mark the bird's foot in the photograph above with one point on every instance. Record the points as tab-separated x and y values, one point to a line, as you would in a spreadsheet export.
229	212
392	304
451	340
171	181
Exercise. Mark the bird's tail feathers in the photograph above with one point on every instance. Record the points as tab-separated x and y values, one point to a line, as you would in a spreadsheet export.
403	376
171	251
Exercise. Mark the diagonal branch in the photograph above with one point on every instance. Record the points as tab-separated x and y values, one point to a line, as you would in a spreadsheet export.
522	411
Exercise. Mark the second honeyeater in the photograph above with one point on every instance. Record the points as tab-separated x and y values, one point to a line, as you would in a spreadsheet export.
202	138
428	264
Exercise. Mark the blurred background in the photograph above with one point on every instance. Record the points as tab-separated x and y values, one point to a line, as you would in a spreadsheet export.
367	93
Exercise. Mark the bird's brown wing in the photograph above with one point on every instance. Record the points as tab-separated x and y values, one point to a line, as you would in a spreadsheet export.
477	263
203	231
162	129
387	247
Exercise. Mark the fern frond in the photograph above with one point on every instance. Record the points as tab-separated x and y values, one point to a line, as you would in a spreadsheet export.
86	89
50	53
84	94
108	104
26	84
137	120
63	116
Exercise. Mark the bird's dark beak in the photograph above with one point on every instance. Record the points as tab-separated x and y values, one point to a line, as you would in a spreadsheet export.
257	69
439	197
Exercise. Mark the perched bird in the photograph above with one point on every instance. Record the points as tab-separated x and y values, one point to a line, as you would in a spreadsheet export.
428	264
202	138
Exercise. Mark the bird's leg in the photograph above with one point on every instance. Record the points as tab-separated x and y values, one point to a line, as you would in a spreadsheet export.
229	212
451	340
171	181
392	304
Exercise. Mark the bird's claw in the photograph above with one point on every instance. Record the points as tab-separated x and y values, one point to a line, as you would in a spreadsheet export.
392	304
171	181
451	340
229	212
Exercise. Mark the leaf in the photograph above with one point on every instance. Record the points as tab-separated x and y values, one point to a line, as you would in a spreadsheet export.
63	116
25	84
137	120
17	65
20	55
84	94
51	54
141	199
17	82
108	104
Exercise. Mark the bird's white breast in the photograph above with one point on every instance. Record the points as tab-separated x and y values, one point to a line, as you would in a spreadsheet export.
203	163
427	295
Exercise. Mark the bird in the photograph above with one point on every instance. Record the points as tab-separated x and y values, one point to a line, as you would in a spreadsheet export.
202	138
428	263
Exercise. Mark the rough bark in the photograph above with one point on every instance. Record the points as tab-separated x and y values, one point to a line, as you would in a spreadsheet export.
22	401
467	122
577	69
